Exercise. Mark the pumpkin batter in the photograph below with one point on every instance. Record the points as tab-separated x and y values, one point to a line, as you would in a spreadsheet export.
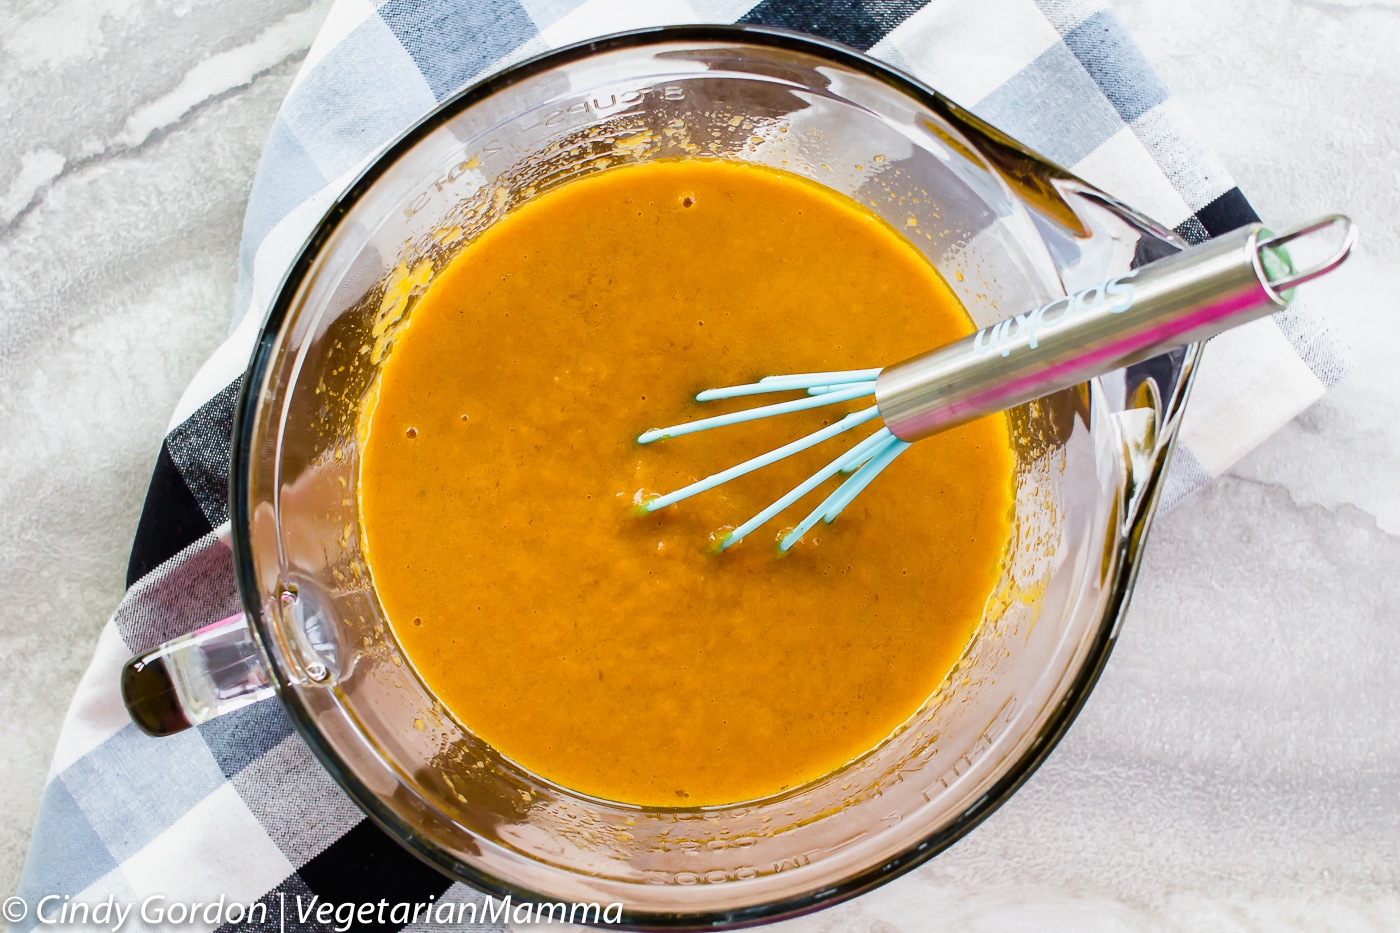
616	654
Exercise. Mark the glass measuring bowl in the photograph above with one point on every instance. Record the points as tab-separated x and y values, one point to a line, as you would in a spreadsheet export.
1008	230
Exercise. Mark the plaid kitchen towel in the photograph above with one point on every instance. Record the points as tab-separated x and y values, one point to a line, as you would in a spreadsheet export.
239	808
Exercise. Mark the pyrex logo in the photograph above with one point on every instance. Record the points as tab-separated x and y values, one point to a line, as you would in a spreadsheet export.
1114	296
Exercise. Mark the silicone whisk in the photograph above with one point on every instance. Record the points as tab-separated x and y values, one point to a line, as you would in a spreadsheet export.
1187	297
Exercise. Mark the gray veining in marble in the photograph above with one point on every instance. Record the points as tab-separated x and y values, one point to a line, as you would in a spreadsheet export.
119	229
1238	767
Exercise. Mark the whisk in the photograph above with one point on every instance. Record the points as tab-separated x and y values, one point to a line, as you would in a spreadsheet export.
1184	298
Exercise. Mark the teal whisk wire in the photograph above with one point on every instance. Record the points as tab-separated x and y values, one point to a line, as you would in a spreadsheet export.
852	420
881	456
828	388
842	394
809	381
857	453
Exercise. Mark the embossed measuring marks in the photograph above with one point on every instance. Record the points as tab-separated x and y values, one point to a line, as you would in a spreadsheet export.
964	762
594	105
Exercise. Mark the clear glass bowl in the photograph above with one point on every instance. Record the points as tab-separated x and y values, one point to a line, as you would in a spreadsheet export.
1009	231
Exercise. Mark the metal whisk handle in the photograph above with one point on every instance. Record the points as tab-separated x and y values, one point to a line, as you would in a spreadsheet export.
1181	299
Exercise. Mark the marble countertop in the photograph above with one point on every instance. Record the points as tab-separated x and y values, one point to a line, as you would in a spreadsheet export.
1238	766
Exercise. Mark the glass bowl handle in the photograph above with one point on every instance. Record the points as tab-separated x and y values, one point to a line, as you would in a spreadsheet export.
194	678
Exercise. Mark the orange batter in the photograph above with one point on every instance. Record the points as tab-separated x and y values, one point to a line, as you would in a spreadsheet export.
616	654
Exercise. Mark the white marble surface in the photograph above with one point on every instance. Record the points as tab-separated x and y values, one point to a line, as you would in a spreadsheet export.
1238	767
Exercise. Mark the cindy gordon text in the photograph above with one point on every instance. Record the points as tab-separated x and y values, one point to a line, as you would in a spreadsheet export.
281	912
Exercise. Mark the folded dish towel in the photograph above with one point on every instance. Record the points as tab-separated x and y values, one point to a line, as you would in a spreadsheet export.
238	807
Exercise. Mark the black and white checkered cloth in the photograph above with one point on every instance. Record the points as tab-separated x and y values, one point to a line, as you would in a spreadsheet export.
239	807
